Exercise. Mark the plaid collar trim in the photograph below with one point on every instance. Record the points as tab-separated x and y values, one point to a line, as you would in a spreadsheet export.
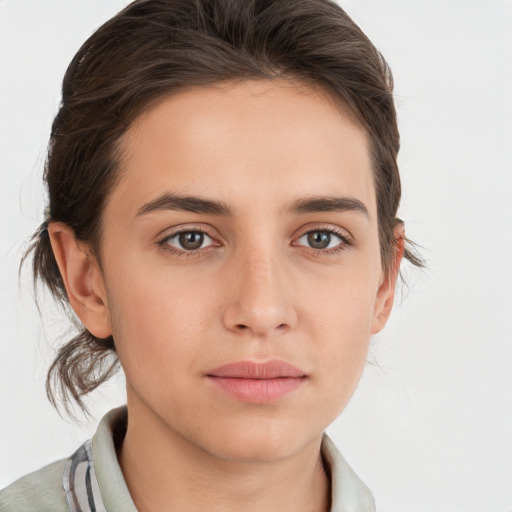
80	482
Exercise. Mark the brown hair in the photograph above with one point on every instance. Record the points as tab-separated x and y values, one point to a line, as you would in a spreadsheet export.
158	47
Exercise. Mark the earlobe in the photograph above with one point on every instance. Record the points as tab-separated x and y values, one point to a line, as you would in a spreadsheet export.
82	278
386	292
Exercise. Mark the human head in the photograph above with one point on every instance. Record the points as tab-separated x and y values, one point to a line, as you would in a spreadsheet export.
173	46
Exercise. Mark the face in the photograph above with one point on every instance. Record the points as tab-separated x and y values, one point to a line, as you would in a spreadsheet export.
243	232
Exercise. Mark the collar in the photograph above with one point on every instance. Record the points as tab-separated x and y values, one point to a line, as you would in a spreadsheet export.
93	479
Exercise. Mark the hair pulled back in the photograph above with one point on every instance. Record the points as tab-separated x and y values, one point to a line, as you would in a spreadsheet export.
158	47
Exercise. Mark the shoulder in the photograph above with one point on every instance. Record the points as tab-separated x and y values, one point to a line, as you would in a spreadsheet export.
90	479
40	491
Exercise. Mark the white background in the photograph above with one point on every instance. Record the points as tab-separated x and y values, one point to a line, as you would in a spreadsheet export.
430	427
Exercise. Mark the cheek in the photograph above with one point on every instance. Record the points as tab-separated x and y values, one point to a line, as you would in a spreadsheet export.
159	323
339	320
343	304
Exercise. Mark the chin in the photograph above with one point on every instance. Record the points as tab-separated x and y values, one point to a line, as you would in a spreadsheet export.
258	441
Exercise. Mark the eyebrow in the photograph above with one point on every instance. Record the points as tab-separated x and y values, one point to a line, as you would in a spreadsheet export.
317	204
194	204
171	201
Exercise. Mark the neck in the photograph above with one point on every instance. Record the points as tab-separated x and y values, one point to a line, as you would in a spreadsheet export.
165	471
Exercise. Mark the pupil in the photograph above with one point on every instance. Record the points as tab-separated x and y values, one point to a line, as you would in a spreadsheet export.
191	240
319	239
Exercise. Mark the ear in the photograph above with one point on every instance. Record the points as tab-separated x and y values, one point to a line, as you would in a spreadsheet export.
82	278
386	292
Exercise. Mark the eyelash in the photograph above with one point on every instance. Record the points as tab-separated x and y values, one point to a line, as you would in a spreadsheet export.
169	248
345	243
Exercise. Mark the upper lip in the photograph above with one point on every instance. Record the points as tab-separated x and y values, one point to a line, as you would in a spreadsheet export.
272	369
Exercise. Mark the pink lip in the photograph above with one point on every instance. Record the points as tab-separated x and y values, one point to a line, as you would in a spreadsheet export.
257	383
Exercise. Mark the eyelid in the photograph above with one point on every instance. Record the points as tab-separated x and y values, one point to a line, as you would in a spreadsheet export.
344	234
185	228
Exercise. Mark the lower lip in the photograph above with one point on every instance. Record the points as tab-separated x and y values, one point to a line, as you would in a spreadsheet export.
257	391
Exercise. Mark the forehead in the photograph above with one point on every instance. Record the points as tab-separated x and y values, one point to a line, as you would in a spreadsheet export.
253	141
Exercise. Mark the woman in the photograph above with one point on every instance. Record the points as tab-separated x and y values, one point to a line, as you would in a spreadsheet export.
223	191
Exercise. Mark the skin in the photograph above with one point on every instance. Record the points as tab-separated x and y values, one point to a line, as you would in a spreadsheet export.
255	290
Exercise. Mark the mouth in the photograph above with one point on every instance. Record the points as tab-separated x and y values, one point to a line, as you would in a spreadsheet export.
257	383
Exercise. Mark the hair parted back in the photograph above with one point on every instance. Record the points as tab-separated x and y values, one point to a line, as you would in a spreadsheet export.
154	48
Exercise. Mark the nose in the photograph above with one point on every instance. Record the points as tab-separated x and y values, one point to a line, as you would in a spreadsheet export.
261	299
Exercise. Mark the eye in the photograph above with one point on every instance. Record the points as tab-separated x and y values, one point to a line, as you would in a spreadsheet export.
323	239
188	241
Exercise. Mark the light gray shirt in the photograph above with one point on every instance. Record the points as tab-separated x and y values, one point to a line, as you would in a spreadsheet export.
91	479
